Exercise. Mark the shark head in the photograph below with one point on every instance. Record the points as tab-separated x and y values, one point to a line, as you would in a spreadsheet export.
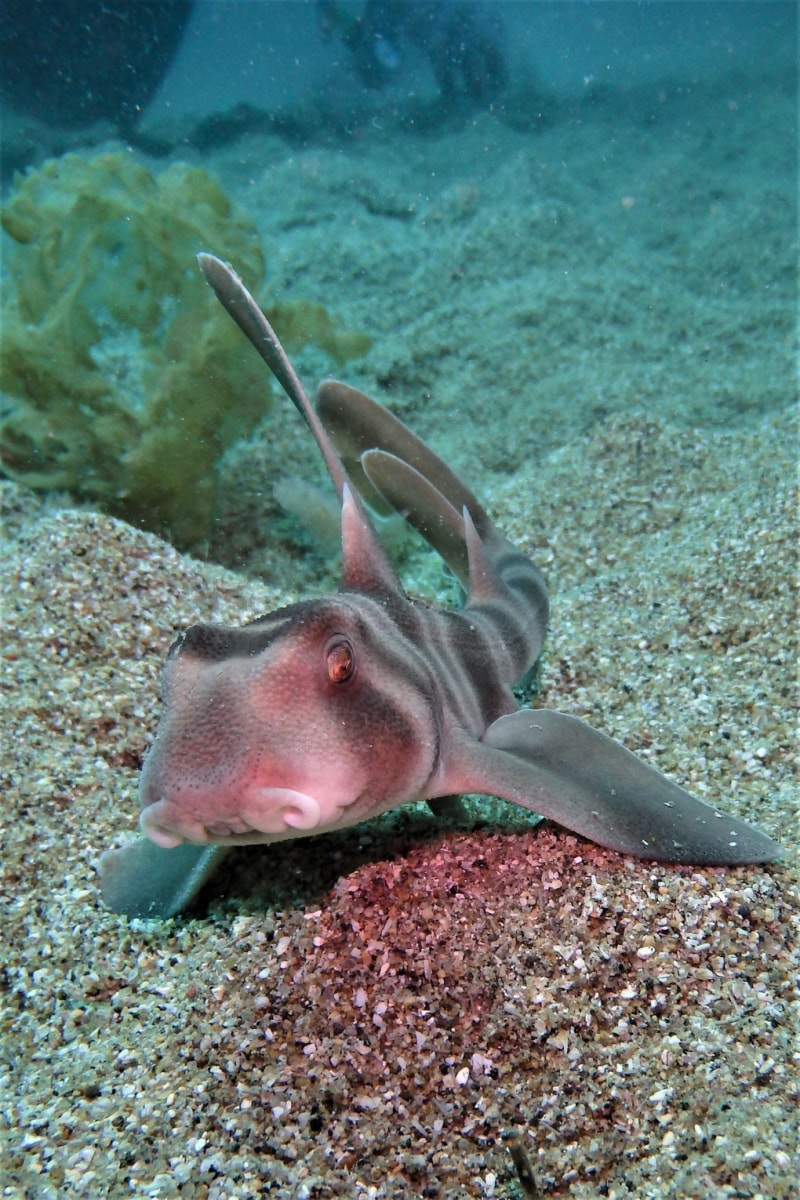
285	727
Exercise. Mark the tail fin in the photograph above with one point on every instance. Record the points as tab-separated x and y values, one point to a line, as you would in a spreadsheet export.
394	470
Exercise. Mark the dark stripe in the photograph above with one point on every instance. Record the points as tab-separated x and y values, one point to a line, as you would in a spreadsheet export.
214	643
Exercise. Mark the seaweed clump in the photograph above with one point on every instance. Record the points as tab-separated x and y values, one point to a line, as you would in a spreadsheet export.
123	380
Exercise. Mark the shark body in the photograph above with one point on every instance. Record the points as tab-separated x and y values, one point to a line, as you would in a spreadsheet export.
336	709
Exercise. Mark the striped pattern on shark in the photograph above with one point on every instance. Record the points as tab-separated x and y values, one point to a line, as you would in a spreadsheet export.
336	709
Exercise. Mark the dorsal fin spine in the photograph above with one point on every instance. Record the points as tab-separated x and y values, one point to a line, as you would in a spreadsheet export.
484	582
365	559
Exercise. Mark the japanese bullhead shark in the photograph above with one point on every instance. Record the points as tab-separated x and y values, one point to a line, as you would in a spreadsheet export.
335	709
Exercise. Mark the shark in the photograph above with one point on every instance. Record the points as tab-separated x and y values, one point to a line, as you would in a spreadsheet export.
338	708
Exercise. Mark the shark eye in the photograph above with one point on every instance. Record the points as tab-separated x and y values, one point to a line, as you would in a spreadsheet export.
340	660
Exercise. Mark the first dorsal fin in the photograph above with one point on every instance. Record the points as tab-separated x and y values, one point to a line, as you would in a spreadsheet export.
363	570
366	565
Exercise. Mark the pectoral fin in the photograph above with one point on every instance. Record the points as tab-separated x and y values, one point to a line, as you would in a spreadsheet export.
564	769
144	880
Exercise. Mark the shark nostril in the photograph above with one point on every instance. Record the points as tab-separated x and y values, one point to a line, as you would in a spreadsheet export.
294	818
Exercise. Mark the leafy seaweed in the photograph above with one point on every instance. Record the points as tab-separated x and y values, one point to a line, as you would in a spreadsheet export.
123	381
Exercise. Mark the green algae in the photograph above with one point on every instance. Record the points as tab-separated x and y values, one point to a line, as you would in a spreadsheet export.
123	383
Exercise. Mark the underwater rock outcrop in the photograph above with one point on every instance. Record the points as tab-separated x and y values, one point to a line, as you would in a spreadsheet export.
122	382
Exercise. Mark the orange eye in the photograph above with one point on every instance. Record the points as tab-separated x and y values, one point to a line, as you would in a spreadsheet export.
340	660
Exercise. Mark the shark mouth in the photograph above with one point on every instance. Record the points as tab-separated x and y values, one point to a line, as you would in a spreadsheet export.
265	814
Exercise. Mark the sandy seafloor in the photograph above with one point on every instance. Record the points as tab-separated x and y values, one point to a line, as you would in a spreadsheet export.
593	320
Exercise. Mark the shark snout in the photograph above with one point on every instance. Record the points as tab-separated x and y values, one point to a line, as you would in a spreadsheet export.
185	799
261	814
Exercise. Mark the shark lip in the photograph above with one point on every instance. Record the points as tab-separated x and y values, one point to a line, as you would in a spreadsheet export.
155	823
265	813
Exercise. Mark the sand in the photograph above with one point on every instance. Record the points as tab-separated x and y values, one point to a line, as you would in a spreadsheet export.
593	320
